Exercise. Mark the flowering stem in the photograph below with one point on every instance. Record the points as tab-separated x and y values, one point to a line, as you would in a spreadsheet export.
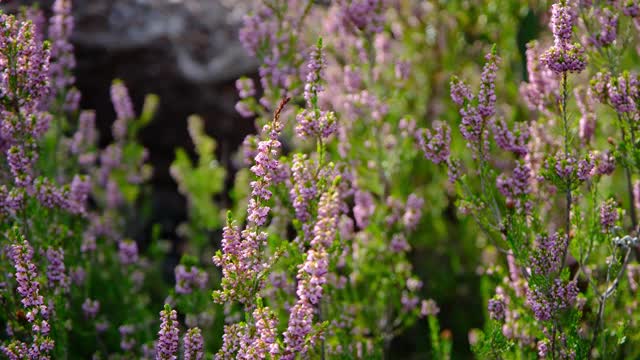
569	199
565	126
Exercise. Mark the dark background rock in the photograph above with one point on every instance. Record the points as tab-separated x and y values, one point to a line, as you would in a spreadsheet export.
185	51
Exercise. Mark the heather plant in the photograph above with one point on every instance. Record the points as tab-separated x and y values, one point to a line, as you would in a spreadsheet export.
66	205
542	194
403	171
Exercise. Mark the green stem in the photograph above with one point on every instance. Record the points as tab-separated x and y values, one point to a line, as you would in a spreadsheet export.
569	198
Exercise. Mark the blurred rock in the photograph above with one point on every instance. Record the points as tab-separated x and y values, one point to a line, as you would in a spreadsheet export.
199	36
186	51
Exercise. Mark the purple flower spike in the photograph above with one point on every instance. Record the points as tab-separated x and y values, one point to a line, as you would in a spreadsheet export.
435	145
193	344
168	336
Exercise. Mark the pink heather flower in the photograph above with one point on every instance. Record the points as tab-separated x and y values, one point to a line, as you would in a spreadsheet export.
265	165
21	159
563	56
238	260
402	70
571	170
487	94
608	21
86	136
352	79
543	348
249	149
31	73
585	168
414	284
631	8
312	275
606	163
78	275
21	255
148	351
72	100
39	349
231	340
570	58
63	61
312	121
266	335
562	20
36	16
471	125
317	123
324	230
79	189
516	186
395	210
541	90
304	187
90	308
127	342
186	280
599	86
240	264
245	87
460	92
102	326
300	326
16	350
453	170
259	30
475	117
514	141
399	244
110	159
413	212
27	278
435	145
382	44
546	304
624	92
127	252
362	104
257	214
496	308
587	125
52	197
124	109
10	200
113	196
409	301
315	70
168	336
364	208
56	275
244	110
608	215
193	344
429	308
547	257
363	15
